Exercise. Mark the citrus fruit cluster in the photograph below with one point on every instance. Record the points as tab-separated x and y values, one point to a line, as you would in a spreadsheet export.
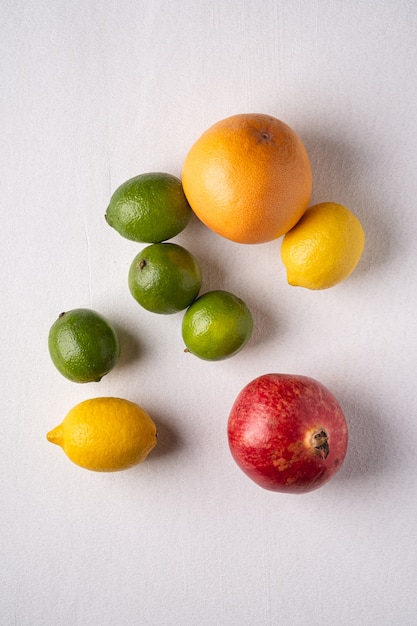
249	179
166	278
110	434
100	434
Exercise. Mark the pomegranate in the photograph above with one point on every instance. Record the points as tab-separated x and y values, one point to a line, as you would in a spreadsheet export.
287	433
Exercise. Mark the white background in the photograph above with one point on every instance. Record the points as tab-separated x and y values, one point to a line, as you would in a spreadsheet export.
93	93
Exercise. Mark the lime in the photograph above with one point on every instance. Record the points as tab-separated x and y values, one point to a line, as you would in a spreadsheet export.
83	345
149	208
216	326
164	278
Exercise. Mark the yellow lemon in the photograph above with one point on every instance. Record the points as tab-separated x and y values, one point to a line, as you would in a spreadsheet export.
106	434
324	247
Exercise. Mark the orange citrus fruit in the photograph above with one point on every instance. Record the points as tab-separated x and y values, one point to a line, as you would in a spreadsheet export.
248	178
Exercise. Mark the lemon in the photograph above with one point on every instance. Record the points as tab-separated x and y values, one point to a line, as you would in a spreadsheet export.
149	208
324	247
105	434
83	345
216	326
164	278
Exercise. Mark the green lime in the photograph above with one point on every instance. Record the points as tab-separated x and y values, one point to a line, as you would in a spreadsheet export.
83	345
149	208
164	278
216	326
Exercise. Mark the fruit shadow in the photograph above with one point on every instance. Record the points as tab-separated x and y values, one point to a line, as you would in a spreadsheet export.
130	347
206	247
345	173
169	440
372	449
265	325
211	255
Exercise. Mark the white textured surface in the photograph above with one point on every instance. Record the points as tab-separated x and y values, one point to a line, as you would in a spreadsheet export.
94	93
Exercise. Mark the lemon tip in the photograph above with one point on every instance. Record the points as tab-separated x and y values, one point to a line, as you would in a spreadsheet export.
55	435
